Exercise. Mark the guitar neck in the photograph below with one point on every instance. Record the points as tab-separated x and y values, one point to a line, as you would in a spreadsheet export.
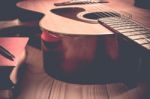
129	28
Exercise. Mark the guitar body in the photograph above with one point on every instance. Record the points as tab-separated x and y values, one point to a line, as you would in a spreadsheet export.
86	48
52	21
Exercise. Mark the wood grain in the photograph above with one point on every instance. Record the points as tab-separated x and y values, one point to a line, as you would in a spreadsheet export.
36	84
121	91
62	90
55	23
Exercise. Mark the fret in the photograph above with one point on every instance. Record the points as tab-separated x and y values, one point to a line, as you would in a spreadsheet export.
113	25
146	46
122	25
118	23
135	37
132	30
111	19
142	41
115	20
136	33
129	28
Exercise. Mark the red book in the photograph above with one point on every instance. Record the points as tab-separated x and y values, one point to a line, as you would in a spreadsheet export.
14	45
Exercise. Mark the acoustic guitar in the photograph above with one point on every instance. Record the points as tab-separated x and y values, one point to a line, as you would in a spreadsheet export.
85	18
81	26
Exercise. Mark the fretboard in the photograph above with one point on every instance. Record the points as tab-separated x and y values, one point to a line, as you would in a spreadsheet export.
128	28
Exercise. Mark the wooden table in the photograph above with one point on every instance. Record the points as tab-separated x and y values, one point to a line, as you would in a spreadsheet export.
37	84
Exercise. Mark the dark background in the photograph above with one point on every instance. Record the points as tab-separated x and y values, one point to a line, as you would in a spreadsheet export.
8	9
143	3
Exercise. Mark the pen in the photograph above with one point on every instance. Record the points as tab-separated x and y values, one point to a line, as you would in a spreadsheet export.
6	53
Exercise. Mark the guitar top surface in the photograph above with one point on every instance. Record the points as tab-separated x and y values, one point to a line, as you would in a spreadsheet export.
70	20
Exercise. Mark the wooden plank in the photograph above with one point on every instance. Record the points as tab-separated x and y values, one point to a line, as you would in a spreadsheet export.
62	90
36	84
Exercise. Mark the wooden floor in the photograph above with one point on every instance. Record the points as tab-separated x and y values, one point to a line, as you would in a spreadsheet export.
36	84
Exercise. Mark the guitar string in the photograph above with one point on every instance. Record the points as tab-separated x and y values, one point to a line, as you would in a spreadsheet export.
107	15
89	2
146	30
122	18
111	14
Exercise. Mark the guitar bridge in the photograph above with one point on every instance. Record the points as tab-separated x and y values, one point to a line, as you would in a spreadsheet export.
75	2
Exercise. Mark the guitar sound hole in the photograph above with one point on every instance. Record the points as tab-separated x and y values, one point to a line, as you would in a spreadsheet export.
97	15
